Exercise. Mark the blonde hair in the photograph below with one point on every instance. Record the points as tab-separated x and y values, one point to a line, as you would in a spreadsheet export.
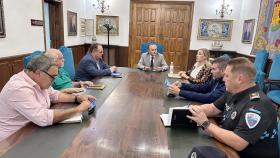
207	54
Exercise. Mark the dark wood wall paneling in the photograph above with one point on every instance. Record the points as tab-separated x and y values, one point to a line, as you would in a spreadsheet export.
10	66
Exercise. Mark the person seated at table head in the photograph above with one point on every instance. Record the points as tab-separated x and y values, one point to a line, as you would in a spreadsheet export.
27	96
63	81
201	71
92	65
249	123
204	92
152	60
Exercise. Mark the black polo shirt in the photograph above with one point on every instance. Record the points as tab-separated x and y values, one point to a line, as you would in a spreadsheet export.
251	115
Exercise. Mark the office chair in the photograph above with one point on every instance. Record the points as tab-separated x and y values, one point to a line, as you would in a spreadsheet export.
68	61
274	79
28	58
145	47
260	63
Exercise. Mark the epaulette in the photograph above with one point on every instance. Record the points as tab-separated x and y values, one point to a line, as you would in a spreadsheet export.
254	96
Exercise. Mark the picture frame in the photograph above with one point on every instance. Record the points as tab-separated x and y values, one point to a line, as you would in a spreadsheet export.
248	31
214	29
72	23
89	27
82	27
113	22
2	21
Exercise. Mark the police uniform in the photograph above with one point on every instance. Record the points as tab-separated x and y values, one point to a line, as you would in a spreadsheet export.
251	115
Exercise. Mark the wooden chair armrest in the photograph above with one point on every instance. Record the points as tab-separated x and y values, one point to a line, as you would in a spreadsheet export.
275	82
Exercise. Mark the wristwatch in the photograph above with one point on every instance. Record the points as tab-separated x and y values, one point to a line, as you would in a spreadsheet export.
205	125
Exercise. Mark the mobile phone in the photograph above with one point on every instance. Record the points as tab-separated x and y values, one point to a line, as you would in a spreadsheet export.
92	106
167	83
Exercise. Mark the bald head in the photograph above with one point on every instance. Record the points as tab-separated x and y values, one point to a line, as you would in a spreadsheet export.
55	53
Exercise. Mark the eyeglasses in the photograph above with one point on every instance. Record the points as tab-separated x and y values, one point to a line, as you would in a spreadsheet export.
52	77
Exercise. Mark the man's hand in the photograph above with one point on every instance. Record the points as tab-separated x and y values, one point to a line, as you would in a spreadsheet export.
82	98
84	106
72	90
146	68
197	114
173	89
177	83
85	83
158	68
113	68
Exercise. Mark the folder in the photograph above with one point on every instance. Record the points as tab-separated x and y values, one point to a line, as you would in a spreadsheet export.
97	86
177	117
174	76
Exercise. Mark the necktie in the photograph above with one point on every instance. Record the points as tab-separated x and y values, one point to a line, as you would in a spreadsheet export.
152	62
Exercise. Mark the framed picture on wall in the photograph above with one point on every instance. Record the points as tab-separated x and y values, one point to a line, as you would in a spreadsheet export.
2	21
72	23
82	27
112	21
248	31
214	29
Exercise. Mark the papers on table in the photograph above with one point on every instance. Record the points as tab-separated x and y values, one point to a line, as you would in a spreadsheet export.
174	75
74	119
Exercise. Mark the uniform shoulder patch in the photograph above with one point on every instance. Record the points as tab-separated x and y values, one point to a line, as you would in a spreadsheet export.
254	96
252	119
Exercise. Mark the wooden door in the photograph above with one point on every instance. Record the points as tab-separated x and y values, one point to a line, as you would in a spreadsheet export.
168	24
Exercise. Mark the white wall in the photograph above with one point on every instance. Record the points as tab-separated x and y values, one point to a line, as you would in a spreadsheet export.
207	10
117	8
250	10
21	37
79	7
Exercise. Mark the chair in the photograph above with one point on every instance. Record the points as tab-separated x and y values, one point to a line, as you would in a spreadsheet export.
68	61
145	47
260	63
274	79
28	58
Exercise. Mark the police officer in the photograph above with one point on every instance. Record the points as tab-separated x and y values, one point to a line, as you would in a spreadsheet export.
249	123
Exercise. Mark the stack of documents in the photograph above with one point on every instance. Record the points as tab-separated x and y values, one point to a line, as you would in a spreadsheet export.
174	75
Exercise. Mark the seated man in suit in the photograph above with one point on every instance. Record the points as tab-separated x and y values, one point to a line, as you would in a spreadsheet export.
92	65
63	81
27	96
249	123
152	60
204	92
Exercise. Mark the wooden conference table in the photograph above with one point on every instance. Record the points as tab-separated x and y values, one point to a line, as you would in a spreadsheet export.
125	124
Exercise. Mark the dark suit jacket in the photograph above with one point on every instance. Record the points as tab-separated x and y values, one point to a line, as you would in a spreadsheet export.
205	92
87	68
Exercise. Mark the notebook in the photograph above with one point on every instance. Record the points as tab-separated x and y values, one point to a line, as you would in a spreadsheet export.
74	119
174	75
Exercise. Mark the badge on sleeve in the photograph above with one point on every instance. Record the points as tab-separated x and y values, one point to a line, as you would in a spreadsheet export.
193	155
233	115
252	119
